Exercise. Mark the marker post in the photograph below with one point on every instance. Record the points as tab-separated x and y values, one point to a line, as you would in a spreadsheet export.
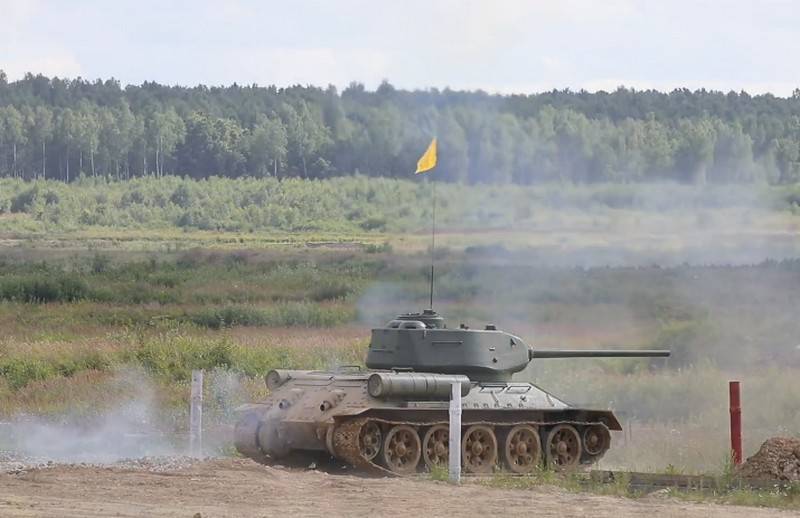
455	435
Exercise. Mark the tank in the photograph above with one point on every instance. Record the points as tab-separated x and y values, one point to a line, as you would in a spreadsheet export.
393	417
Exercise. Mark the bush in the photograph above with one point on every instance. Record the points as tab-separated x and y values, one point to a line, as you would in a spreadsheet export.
374	223
330	290
24	201
290	314
383	248
44	288
176	358
20	371
216	318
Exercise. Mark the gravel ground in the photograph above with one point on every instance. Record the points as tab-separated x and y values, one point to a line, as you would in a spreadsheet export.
15	464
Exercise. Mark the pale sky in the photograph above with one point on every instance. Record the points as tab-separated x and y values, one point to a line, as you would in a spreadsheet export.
507	46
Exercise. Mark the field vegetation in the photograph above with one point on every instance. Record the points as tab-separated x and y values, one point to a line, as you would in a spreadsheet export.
358	207
724	492
709	273
70	326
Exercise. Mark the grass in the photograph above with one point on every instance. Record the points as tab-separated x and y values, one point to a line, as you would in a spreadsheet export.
80	306
170	356
782	498
348	205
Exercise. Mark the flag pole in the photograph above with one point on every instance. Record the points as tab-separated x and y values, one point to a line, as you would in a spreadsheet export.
426	163
433	238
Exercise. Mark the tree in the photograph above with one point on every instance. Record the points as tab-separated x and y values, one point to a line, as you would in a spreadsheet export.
267	146
88	135
67	131
453	149
13	133
787	159
306	134
212	146
41	130
626	135
116	127
695	151
165	131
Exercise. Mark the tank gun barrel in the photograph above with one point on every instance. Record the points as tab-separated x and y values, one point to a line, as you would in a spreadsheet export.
535	354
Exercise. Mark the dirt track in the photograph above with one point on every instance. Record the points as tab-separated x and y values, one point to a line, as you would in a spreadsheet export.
243	488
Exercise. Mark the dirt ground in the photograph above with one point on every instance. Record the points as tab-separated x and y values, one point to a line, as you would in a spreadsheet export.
234	487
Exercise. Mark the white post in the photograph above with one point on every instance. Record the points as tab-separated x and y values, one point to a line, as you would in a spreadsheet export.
196	415
455	434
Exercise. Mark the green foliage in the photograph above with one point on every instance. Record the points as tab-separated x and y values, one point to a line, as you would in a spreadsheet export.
383	248
724	493
170	356
49	287
19	371
176	358
278	315
54	128
355	205
439	473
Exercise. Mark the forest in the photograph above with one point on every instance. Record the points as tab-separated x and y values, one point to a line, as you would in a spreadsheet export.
64	129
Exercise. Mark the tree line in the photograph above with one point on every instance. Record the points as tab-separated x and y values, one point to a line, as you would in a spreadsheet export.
62	129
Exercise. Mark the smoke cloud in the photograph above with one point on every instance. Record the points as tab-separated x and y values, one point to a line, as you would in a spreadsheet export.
131	429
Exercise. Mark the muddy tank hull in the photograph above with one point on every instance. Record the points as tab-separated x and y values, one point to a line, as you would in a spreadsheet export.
398	423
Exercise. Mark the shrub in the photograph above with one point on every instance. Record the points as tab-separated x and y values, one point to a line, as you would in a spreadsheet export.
18	372
289	314
383	248
44	288
176	358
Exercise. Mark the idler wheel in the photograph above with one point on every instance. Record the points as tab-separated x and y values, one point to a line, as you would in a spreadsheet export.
479	449
401	449
563	447
522	449
436	446
596	439
369	440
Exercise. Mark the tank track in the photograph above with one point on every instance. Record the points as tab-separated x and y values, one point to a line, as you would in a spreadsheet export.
346	446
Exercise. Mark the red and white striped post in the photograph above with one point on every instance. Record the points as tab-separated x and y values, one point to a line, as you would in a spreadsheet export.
736	421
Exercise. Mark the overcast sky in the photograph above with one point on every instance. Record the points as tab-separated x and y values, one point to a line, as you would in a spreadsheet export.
498	46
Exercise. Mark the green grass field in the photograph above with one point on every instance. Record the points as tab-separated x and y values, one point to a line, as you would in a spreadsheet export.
714	282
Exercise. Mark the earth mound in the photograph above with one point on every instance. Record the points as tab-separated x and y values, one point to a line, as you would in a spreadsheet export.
778	458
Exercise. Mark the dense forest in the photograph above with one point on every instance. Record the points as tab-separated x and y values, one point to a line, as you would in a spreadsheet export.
62	129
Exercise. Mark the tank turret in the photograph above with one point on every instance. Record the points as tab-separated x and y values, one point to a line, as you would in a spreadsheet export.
422	342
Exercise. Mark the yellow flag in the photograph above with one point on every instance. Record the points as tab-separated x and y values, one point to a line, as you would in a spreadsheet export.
428	160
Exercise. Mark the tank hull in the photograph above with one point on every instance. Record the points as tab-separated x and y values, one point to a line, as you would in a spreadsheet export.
506	425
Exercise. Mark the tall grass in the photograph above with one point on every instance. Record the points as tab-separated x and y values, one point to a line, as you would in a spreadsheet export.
170	356
278	315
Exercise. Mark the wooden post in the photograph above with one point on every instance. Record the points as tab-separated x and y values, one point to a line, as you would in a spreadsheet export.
455	434
736	421
196	415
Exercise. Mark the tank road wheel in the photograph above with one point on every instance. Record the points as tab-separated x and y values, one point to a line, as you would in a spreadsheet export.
369	440
436	446
522	449
401	449
479	449
563	447
596	439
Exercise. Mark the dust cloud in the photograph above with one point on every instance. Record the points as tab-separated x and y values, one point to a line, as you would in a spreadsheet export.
138	424
130	429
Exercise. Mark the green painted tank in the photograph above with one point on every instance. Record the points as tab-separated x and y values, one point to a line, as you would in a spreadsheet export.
393	417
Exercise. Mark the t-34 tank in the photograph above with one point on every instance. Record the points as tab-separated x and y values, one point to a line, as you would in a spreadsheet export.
394	416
